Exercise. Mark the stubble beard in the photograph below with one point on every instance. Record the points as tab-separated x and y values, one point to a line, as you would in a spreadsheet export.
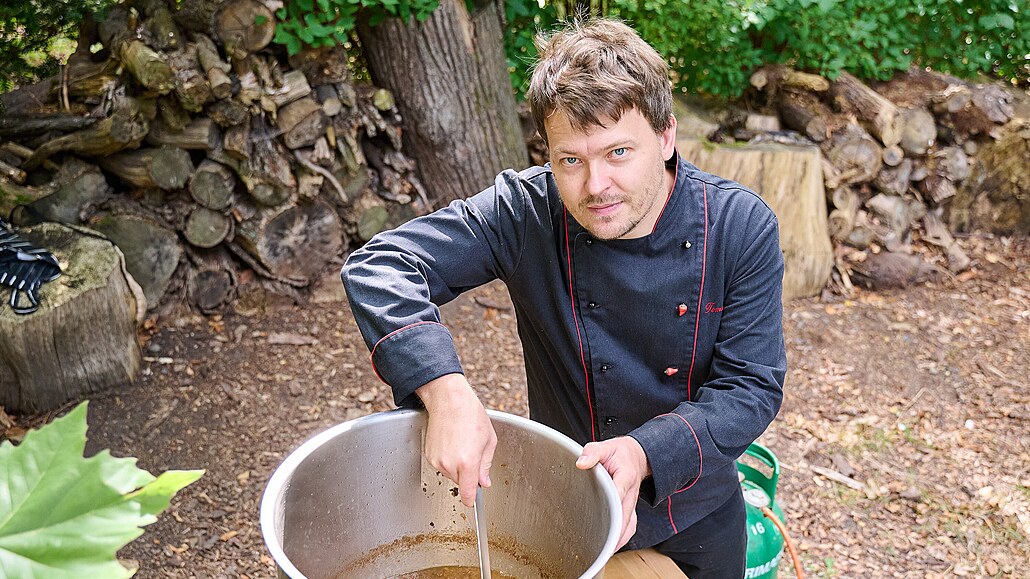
651	198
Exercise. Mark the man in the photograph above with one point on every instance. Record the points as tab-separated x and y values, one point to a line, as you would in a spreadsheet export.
647	295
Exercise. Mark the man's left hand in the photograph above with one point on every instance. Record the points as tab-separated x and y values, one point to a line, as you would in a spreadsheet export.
624	459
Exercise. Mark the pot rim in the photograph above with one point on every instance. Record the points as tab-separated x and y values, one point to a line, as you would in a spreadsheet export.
277	483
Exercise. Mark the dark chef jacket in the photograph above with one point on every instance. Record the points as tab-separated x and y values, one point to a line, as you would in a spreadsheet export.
675	338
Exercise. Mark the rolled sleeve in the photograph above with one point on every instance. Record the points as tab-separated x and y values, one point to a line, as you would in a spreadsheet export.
674	453
412	356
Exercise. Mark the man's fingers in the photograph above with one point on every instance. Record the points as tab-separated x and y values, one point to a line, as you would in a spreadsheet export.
629	528
593	453
467	485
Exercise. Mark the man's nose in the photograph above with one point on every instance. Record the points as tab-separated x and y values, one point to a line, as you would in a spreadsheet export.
598	179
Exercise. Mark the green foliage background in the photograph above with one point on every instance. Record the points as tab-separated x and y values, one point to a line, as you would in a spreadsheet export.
714	45
29	28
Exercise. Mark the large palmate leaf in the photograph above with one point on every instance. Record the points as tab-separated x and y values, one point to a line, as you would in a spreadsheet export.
65	516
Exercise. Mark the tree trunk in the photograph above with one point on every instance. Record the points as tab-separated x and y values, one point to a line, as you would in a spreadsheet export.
450	78
82	340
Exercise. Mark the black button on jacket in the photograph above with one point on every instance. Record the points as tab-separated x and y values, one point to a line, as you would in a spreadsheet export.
695	385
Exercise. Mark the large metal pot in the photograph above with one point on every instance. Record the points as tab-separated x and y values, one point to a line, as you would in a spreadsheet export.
359	500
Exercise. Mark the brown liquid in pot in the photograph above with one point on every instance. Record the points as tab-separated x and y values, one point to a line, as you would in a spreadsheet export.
452	572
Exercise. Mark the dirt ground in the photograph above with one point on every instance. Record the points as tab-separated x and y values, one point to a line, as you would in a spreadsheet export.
903	435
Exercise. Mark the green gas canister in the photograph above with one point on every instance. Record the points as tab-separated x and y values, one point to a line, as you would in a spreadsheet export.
758	471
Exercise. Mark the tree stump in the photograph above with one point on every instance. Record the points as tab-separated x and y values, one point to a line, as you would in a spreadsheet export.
82	340
790	180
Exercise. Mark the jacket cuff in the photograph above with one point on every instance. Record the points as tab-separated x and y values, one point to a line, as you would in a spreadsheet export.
408	358
674	453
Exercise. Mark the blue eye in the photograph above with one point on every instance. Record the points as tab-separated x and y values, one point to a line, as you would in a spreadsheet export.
620	152
569	161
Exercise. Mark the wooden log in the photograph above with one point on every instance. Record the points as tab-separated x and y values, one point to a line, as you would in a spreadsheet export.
323	65
806	114
267	173
762	123
171	114
164	32
893	155
146	66
191	86
886	270
228	113
937	187
152	252
87	79
237	142
250	88
167	168
244	27
217	70
294	243
774	76
642	564
76	186
949	162
937	233
206	228
200	135
212	185
16	127
853	153
895	180
23	152
327	96
295	86
302	122
841	220
971	110
82	340
790	180
893	212
882	118
212	279
125	128
12	173
920	131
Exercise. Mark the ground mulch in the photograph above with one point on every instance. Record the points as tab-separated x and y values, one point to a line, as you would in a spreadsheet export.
903	436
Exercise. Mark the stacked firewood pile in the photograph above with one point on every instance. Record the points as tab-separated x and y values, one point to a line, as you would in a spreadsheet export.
900	162
205	153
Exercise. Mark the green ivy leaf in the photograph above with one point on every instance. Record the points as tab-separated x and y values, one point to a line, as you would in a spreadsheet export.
63	516
998	20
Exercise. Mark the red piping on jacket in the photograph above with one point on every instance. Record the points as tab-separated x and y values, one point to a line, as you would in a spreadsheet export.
575	320
371	355
675	174
700	293
700	466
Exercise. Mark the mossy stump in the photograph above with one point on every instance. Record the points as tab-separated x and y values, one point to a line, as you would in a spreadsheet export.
82	340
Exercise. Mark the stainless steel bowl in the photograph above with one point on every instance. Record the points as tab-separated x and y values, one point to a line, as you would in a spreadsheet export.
359	500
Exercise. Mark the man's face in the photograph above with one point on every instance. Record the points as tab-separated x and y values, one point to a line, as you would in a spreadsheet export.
612	177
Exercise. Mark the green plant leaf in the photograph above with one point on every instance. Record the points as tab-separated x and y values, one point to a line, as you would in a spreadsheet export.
66	516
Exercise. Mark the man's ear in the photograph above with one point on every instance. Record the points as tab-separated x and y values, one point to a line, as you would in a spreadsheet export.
668	138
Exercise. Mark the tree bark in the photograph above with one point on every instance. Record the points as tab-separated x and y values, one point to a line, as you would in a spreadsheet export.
450	78
806	114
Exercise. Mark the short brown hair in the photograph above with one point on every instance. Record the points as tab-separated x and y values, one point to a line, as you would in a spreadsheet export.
599	69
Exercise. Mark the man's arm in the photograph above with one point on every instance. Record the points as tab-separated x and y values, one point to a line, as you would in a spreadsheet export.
395	284
743	390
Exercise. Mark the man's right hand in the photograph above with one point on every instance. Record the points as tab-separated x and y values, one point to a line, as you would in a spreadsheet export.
460	439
